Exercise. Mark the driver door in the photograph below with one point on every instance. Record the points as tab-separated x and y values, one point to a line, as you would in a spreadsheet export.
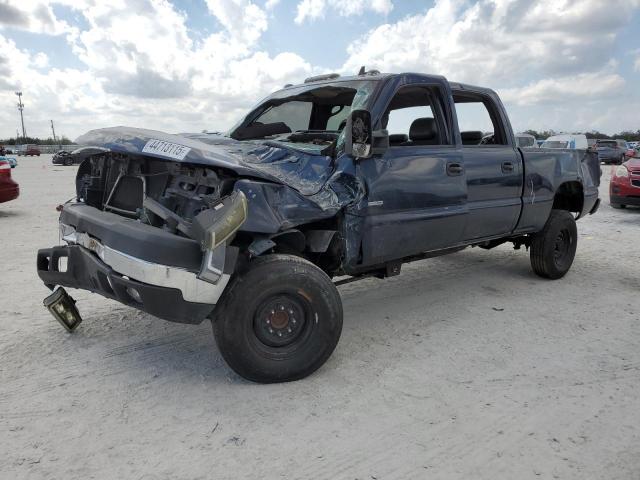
417	189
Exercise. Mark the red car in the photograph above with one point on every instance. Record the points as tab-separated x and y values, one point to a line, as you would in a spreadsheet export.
624	188
31	151
9	189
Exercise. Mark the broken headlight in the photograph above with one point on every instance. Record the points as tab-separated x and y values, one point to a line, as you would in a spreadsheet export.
214	226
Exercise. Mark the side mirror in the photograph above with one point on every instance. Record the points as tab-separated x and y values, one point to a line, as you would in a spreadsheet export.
361	140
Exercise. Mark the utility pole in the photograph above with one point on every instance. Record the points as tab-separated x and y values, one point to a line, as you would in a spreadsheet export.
54	132
21	107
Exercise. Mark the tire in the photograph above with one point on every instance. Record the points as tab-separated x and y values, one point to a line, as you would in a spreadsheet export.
68	162
278	321
554	248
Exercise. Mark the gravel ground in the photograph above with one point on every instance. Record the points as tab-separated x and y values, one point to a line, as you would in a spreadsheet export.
466	366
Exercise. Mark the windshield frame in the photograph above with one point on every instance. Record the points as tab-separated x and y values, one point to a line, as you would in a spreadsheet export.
363	99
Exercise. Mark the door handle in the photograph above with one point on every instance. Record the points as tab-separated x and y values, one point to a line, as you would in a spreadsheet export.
454	169
507	167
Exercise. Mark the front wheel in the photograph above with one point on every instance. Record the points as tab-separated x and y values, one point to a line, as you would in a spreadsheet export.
554	248
279	321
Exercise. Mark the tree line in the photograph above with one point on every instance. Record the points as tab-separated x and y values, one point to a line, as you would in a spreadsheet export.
36	141
627	135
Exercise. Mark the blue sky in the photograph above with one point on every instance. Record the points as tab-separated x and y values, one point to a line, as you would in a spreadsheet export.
189	65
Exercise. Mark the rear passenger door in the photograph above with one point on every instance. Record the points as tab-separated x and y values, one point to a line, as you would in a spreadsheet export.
493	165
416	190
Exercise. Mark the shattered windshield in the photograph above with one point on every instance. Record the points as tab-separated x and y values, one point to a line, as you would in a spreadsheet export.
311	113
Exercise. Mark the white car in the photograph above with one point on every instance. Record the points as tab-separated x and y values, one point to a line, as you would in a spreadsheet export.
573	142
524	140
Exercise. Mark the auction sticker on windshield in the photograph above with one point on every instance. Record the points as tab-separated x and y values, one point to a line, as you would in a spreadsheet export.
166	149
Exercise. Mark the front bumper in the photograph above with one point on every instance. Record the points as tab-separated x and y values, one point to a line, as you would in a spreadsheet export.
145	267
625	200
86	271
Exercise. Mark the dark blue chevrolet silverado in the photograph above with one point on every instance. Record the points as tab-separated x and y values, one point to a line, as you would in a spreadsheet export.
334	178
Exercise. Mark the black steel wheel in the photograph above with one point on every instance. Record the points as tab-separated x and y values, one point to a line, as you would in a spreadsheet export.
279	321
554	248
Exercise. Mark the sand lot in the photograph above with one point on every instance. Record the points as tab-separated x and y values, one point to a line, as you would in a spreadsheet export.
465	367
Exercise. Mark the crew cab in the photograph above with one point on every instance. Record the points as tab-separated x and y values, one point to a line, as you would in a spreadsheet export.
329	181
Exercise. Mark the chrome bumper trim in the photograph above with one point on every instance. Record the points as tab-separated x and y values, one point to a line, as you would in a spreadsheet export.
193	289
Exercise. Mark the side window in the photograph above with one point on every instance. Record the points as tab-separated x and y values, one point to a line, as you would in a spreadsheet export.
479	125
412	119
400	120
339	114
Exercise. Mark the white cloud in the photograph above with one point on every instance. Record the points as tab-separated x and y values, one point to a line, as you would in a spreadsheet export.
559	90
315	9
242	19
142	68
32	15
496	41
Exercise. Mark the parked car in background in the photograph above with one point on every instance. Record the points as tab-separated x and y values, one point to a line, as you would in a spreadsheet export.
29	152
611	151
76	157
572	142
632	153
12	161
62	158
624	188
634	144
524	140
9	189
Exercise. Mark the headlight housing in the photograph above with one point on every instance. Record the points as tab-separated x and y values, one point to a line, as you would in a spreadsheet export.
621	171
214	226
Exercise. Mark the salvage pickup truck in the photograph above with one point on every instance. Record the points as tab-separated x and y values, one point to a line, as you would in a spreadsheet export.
336	178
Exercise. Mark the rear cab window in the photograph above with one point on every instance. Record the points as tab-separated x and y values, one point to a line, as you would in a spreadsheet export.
478	120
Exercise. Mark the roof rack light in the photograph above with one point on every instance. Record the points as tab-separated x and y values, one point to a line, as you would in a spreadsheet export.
319	78
363	71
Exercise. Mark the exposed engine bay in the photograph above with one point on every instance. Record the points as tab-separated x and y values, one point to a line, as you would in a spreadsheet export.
163	194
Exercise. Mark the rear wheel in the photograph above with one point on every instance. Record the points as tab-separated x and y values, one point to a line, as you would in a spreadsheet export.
279	321
554	248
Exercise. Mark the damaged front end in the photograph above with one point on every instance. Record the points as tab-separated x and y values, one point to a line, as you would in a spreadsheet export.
163	234
151	234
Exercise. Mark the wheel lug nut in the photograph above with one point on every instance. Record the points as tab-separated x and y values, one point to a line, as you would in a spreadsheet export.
289	330
279	334
271	330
